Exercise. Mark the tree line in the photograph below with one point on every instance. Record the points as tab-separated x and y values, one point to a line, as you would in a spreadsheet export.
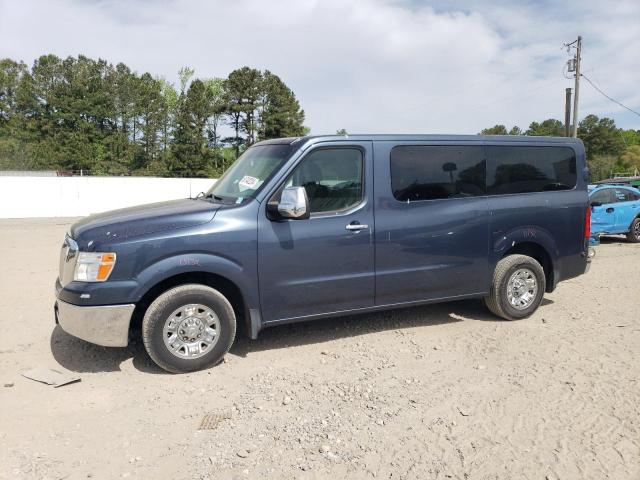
84	114
609	149
79	113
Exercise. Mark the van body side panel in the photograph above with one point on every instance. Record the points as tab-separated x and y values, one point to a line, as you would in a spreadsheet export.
427	249
553	220
314	266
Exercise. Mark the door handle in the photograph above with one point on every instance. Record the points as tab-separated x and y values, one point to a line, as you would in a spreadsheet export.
610	210
356	226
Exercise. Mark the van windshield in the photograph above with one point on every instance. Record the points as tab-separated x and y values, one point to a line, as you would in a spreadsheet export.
249	172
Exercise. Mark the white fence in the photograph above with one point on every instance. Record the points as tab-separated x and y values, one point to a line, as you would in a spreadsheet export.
22	197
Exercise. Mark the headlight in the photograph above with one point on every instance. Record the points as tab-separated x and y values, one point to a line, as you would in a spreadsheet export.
94	267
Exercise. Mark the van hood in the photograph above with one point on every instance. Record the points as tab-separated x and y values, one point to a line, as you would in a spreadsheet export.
125	223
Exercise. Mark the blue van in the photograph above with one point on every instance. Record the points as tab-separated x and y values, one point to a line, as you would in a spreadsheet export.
307	228
615	209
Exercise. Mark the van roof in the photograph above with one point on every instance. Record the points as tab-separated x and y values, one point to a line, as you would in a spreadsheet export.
422	138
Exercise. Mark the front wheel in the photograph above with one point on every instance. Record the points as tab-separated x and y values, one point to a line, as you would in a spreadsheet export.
634	232
517	288
188	328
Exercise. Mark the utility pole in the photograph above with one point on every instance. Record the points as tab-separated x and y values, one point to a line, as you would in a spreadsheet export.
577	88
567	112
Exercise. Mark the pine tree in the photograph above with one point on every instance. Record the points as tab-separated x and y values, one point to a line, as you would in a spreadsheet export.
281	115
190	155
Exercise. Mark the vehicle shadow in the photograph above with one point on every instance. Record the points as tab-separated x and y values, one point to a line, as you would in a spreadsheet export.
328	329
83	357
79	356
613	239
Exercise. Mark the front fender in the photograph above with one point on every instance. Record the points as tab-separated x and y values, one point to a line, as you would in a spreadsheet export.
197	262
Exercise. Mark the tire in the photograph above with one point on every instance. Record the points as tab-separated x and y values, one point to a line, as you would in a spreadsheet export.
498	300
633	235
187	316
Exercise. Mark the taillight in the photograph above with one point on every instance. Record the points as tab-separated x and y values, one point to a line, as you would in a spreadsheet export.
587	222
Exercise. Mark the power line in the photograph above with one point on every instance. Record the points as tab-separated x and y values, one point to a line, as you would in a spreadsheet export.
607	96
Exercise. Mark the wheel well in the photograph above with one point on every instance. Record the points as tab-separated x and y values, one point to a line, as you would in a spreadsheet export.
226	287
538	252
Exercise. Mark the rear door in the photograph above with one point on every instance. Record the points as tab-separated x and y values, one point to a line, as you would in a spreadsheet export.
603	217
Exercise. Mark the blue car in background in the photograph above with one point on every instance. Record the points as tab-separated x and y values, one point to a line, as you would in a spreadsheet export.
615	209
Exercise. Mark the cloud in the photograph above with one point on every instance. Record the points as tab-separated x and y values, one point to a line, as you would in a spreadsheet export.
367	66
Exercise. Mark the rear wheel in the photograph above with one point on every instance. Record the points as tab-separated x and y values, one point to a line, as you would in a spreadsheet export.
188	328
634	232
517	288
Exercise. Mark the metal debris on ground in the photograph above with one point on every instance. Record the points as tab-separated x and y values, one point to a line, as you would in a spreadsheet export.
50	376
463	411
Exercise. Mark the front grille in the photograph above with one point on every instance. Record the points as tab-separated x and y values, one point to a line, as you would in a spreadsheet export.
68	258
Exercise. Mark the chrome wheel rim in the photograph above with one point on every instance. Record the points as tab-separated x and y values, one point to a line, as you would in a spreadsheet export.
522	289
191	331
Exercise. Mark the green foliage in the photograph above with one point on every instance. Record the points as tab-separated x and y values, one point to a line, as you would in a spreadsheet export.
80	113
190	155
243	89
185	74
548	128
495	130
501	130
630	159
630	137
281	114
342	131
215	87
601	166
260	106
600	136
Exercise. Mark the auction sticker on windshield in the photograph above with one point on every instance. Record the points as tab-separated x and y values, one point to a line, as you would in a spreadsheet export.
248	182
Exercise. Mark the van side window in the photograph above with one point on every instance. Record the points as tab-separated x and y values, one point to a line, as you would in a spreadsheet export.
437	172
525	169
332	178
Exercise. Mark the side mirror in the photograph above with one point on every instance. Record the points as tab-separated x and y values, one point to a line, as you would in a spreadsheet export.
294	203
596	204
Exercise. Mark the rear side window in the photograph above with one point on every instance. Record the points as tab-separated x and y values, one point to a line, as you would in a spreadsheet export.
602	196
437	172
523	169
624	195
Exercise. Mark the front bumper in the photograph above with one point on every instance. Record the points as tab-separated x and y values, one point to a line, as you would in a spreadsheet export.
106	325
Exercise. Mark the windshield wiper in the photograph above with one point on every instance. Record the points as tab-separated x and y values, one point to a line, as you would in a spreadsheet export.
215	197
202	196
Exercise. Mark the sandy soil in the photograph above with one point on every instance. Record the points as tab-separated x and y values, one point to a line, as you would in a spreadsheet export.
445	391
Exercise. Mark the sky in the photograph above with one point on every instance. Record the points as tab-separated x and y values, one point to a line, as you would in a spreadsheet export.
369	66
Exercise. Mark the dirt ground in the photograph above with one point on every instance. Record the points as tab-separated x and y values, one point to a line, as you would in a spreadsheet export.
444	391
